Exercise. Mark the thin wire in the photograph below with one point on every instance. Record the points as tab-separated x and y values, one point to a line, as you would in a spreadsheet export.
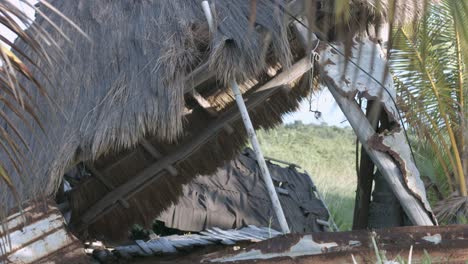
313	56
366	73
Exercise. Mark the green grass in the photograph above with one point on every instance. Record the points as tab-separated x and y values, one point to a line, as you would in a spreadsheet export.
327	154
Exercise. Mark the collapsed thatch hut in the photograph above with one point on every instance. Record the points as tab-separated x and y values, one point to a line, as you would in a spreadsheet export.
133	80
149	85
234	197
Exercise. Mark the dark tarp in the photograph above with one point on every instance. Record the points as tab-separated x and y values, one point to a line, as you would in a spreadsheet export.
236	196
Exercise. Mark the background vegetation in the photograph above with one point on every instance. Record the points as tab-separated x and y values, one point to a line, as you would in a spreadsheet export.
429	62
327	154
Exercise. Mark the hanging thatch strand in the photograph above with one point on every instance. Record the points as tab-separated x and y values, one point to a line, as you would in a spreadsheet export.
340	19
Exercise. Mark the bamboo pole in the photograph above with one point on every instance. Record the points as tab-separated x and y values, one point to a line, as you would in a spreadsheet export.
253	137
260	159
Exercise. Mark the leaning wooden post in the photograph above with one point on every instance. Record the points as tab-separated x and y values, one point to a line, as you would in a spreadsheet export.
253	137
260	159
390	171
364	131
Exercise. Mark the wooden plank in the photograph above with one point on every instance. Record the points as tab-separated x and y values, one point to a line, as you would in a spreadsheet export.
186	149
39	239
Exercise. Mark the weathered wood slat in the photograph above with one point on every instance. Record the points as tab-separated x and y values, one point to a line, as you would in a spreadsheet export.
283	162
152	172
40	238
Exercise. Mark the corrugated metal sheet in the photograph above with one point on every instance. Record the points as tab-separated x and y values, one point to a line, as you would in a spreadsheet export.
180	243
39	235
236	196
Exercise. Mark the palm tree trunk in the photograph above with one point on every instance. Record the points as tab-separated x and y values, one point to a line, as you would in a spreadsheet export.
365	179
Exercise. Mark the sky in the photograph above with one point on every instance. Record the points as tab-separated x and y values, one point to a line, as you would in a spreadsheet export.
23	7
322	101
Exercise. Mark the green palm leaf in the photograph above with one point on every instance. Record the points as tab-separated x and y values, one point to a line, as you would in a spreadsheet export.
429	64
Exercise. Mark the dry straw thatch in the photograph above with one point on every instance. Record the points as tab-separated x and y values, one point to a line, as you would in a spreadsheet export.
129	83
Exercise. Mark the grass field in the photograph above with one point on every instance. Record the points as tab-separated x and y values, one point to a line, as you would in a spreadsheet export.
327	154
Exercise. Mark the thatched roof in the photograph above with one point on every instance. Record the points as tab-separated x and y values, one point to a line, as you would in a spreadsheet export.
149	200
131	80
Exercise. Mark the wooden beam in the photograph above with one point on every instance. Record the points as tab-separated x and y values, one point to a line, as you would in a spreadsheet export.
444	244
265	172
198	76
157	155
204	104
104	181
148	175
208	108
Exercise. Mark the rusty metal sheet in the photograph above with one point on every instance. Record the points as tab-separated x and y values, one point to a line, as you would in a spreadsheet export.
446	244
353	80
37	236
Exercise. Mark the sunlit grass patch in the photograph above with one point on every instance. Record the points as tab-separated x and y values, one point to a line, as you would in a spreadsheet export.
327	154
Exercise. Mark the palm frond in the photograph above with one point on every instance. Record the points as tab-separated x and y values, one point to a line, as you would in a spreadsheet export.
429	65
15	70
